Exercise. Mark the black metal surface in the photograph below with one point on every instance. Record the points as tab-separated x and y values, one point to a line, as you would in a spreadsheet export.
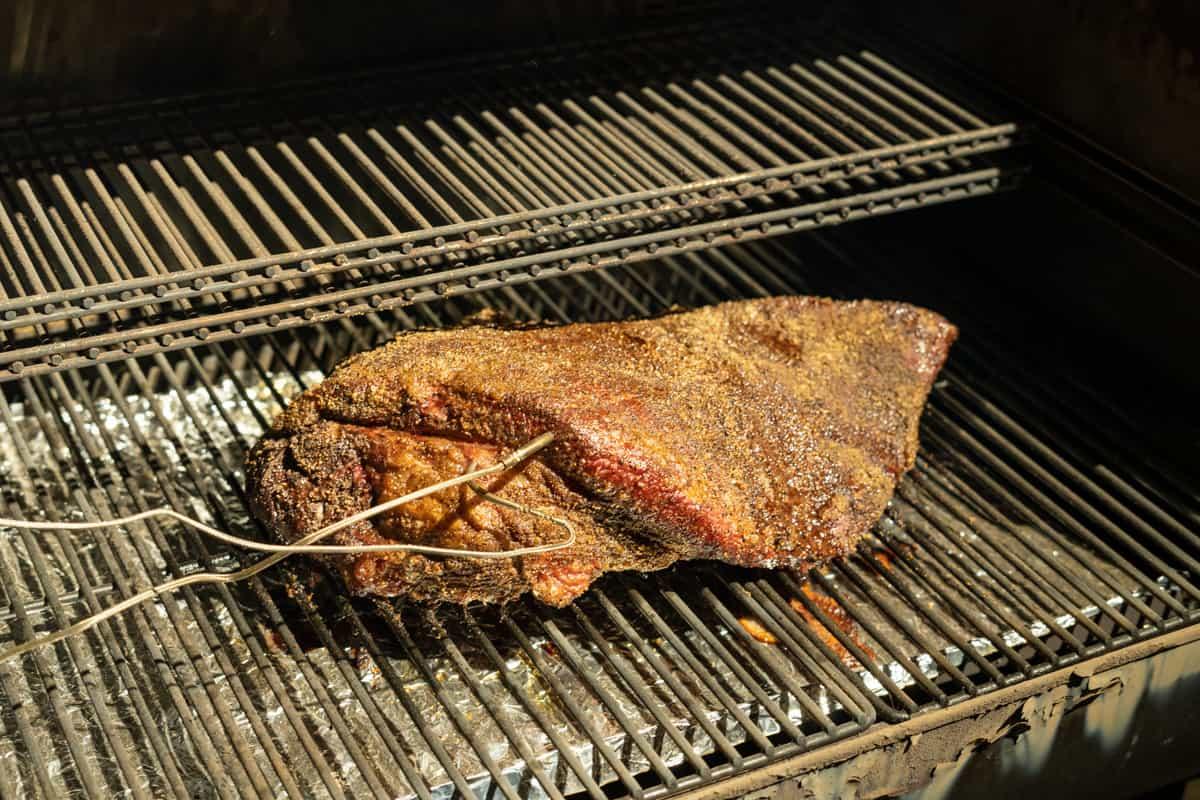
152	48
282	686
141	229
1122	73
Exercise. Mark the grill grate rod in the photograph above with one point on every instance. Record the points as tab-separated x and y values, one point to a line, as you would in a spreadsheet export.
374	207
928	491
39	405
717	190
166	370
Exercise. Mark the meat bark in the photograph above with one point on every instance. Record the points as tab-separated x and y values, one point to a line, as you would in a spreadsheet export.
762	433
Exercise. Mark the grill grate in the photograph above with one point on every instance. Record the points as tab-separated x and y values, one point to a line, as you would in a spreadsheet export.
1006	553
141	229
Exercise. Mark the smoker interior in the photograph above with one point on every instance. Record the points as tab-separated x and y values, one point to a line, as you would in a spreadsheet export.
1036	531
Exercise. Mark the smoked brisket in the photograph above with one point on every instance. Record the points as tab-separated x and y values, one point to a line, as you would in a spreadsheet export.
763	433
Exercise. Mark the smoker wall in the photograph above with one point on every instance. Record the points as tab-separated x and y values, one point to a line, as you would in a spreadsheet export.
102	48
1125	72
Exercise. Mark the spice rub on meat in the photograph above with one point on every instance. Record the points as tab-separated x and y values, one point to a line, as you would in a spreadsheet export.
762	433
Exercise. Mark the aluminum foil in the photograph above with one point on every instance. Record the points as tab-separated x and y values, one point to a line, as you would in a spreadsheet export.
226	683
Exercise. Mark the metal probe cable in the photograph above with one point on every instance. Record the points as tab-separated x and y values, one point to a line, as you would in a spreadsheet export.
302	545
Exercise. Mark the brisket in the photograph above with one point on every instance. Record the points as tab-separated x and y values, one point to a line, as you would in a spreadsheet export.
761	433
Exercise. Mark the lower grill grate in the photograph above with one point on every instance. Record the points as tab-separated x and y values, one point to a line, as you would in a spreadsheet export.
1014	547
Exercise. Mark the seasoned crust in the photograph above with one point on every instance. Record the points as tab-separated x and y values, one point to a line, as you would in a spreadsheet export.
764	433
330	471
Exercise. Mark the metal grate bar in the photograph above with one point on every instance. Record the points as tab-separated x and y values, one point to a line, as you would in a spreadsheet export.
166	370
196	698
681	650
795	637
85	775
669	677
950	574
495	709
223	242
738	666
896	652
1103	499
609	652
168	374
611	704
581	718
1042	598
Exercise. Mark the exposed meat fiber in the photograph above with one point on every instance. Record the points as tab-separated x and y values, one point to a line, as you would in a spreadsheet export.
762	433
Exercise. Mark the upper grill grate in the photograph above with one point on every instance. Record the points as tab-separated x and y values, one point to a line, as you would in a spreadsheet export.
141	229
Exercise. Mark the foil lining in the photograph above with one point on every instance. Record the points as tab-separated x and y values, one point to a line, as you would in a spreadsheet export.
256	689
